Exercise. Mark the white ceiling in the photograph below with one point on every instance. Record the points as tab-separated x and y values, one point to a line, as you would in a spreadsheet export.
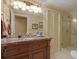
67	5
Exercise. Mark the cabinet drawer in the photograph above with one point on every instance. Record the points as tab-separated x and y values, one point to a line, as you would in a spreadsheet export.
20	56
15	50
38	45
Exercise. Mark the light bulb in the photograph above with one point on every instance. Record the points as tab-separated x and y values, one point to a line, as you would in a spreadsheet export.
30	10
19	4
23	8
32	7
15	3
24	5
39	10
15	7
27	7
36	9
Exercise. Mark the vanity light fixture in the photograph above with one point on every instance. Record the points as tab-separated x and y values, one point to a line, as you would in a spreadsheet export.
23	6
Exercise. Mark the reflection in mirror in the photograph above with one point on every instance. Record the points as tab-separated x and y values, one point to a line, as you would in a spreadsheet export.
20	24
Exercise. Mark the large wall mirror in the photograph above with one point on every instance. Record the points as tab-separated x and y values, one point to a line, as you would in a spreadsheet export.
23	22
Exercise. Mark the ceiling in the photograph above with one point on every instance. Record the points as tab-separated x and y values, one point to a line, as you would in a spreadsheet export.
67	5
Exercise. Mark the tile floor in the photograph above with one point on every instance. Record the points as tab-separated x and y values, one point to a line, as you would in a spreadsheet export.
63	54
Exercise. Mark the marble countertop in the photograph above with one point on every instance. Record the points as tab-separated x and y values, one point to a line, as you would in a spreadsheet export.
14	40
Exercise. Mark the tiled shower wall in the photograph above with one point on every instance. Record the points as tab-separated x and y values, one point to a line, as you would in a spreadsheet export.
74	34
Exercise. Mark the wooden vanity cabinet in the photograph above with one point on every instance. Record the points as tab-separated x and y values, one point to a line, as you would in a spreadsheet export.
37	49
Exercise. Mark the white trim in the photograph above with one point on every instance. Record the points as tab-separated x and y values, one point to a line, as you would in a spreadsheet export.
46	20
59	30
12	22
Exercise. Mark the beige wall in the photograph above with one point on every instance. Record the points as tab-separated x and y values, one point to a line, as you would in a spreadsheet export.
5	9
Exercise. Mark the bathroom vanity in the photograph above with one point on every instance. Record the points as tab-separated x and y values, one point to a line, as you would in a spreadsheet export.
26	48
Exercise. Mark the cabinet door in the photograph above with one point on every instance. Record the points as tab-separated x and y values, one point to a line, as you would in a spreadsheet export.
16	49
39	54
21	56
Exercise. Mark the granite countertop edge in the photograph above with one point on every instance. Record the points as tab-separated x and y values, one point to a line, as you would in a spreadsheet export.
6	41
